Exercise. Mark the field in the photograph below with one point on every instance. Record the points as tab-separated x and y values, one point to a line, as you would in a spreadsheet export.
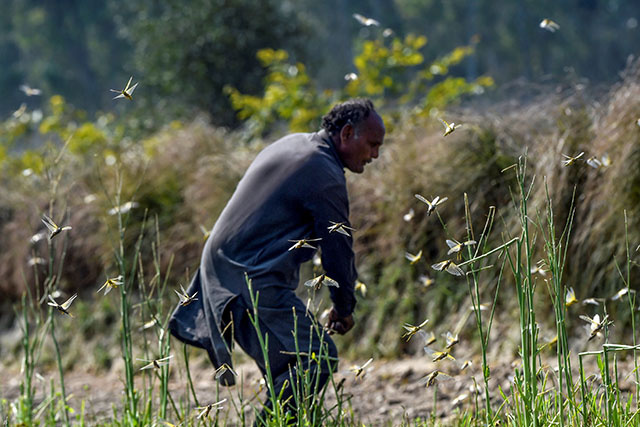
542	302
389	394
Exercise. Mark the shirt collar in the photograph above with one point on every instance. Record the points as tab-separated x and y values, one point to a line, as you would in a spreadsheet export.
326	137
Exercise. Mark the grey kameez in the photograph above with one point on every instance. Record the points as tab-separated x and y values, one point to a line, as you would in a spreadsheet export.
293	190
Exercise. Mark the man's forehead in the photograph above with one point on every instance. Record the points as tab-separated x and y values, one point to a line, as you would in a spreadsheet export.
374	126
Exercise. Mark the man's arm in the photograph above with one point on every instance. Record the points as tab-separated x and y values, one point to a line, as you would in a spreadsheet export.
328	203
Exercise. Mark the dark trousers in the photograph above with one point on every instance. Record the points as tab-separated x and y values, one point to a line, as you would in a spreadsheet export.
276	321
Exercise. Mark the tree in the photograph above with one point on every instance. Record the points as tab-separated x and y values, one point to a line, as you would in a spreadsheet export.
62	47
187	52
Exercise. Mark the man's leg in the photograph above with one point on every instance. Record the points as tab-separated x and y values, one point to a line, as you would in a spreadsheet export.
317	353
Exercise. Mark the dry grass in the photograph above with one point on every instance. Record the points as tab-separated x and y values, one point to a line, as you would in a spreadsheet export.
417	159
185	177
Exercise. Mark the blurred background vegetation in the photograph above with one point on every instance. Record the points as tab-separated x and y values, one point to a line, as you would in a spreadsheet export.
185	54
221	78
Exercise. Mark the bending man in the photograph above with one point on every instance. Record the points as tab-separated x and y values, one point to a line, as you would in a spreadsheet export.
295	190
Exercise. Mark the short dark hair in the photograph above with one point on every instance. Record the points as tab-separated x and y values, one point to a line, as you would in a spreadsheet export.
353	111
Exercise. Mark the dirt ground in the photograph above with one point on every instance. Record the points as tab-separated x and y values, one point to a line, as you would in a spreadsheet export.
386	393
389	391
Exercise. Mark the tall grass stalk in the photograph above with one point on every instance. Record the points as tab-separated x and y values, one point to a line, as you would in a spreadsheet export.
53	284
52	407
147	385
608	388
474	292
240	405
615	410
525	289
632	308
130	266
34	328
153	307
164	338
556	258
131	396
29	346
301	385
65	407
276	411
583	390
164	348
308	394
53	173
185	352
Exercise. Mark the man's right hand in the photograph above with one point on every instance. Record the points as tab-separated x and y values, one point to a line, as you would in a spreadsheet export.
337	324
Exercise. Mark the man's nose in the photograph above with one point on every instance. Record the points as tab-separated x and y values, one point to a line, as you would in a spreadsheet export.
374	153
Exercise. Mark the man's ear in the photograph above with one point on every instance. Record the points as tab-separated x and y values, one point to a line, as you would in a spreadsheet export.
346	132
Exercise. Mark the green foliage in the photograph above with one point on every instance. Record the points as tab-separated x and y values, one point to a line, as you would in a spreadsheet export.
27	135
68	123
13	128
185	53
182	162
62	47
381	65
511	30
86	137
387	72
289	95
188	52
451	89
30	160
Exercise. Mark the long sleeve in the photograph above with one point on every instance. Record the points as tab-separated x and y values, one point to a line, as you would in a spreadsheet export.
328	202
293	190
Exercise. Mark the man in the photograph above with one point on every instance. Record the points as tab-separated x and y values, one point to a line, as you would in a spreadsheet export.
295	189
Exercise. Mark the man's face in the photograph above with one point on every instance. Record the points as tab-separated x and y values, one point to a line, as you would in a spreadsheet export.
359	146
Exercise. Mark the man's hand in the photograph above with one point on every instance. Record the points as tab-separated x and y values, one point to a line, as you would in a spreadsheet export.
337	324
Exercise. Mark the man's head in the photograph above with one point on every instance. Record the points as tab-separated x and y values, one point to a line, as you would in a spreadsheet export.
357	130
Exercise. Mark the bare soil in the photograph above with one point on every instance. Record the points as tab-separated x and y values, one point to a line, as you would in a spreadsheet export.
389	392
